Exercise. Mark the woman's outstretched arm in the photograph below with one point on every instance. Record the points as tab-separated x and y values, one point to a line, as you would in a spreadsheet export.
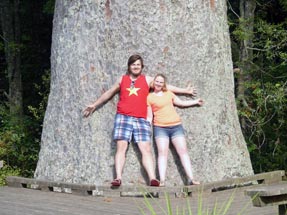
187	103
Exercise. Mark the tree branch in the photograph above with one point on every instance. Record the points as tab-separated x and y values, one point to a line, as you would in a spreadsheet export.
233	10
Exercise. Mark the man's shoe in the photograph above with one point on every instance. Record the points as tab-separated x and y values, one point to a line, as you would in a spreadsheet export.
116	182
154	183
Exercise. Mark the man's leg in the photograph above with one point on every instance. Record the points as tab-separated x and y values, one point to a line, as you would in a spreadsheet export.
142	136
147	159
120	157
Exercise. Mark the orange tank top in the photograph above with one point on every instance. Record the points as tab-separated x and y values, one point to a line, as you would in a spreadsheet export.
164	113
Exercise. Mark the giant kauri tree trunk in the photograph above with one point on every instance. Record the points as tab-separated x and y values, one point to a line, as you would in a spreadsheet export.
187	40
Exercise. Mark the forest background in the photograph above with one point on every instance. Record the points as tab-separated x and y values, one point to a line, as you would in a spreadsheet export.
258	31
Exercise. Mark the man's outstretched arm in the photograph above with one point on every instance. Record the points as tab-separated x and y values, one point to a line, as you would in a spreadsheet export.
102	99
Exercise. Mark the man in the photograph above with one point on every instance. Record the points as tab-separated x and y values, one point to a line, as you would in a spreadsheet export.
130	121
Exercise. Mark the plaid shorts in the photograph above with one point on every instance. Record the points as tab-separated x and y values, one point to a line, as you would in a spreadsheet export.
131	129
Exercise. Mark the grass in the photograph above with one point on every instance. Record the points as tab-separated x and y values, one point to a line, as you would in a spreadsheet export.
154	207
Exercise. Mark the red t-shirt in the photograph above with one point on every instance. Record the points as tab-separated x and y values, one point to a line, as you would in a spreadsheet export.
133	97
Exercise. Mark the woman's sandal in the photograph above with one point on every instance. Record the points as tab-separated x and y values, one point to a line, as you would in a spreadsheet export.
154	183
192	182
116	182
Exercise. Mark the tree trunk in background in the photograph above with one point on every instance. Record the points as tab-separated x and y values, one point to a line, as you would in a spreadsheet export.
186	40
11	33
247	9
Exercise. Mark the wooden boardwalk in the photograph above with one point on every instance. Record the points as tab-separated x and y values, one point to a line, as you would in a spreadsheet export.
19	201
25	196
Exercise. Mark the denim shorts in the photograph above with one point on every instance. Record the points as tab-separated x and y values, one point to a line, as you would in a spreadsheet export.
168	132
131	129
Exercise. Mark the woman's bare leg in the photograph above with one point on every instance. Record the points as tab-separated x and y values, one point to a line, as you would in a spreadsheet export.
181	148
162	147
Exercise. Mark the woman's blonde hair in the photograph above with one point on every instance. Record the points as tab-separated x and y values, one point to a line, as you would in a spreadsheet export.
164	87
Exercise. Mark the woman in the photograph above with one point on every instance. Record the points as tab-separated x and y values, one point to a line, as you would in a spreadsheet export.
167	125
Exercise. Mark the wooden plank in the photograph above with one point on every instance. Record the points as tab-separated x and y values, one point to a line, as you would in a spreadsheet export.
270	195
266	178
177	191
15	201
268	190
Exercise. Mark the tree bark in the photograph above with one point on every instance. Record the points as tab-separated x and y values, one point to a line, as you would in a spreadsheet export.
186	40
11	34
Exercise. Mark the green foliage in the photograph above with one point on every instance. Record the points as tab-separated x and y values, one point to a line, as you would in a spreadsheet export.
266	125
43	91
266	98
1	46
18	146
7	171
49	7
241	31
283	3
264	109
15	48
20	137
271	41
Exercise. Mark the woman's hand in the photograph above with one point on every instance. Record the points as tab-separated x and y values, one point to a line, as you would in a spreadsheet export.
199	102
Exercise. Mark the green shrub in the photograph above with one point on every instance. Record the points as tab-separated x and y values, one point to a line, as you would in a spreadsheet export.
7	171
20	135
18	145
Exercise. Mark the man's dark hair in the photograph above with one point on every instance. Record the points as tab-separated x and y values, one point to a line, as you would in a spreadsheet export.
133	59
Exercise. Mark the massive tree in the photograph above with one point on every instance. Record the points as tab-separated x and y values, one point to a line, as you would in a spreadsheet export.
187	40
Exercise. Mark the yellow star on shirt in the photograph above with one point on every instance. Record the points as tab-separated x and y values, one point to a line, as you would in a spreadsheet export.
133	91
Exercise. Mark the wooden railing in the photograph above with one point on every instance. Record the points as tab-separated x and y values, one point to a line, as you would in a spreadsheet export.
140	189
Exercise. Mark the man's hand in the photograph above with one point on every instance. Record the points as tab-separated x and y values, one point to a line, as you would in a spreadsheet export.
89	110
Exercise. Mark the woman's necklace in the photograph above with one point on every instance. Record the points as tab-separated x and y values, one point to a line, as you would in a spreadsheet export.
160	93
